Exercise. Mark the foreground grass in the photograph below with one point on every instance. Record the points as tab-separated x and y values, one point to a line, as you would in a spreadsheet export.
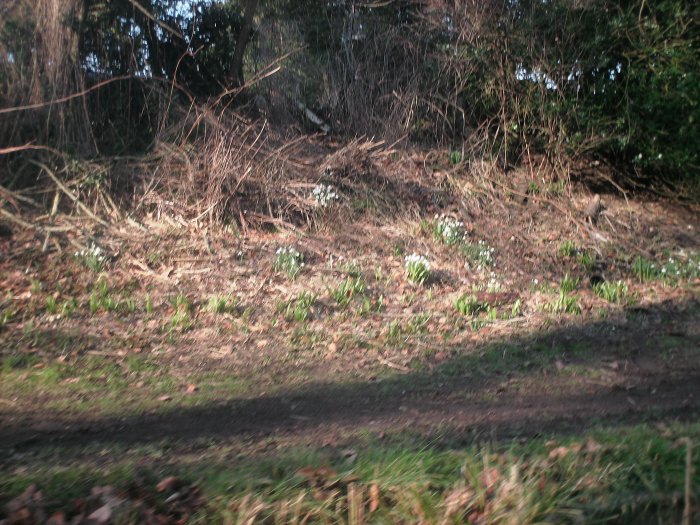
630	474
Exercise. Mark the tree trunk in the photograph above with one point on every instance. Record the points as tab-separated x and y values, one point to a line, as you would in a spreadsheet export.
243	38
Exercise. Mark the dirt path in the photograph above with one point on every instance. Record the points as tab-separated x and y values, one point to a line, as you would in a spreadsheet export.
324	414
618	379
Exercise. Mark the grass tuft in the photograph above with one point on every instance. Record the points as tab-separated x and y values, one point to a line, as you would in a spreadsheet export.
299	308
469	304
347	290
611	292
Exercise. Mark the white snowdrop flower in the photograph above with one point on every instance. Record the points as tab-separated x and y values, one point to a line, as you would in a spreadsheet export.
415	259
324	195
451	230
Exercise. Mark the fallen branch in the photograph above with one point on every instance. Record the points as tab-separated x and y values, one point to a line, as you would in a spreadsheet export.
61	100
69	193
46	230
15	149
19	221
313	117
390	364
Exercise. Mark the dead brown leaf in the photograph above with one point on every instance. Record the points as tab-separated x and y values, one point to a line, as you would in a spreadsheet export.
373	497
168	484
489	477
458	499
592	446
559	452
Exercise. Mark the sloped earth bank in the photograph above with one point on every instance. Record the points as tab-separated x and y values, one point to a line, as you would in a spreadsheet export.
187	334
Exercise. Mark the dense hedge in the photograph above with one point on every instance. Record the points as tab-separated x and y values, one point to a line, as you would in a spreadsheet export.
567	78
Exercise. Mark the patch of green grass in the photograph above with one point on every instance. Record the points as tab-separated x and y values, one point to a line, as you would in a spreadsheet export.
128	305
675	268
7	315
378	274
564	304
622	474
516	309
556	189
394	332
568	284
141	364
299	308
51	305
398	248
533	188
611	292
65	308
106	386
469	304
492	313
148	305
103	299
370	305
645	269
69	306
218	304
181	318
587	259
305	338
18	361
35	286
347	290
567	248
477	324
407	298
418	324
63	484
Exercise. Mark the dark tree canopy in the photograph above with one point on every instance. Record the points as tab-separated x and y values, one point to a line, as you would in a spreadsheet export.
594	77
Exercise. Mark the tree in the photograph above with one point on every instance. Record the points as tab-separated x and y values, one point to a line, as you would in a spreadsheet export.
243	39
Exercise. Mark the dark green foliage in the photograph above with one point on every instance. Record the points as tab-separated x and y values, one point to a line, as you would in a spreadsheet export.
578	78
614	80
207	69
658	92
193	46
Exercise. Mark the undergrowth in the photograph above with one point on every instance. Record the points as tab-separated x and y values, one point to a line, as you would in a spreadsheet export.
618	475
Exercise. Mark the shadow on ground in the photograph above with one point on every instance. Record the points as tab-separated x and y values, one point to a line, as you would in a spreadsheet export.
645	366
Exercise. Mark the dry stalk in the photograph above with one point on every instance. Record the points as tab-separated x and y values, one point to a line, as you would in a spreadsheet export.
687	507
69	193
